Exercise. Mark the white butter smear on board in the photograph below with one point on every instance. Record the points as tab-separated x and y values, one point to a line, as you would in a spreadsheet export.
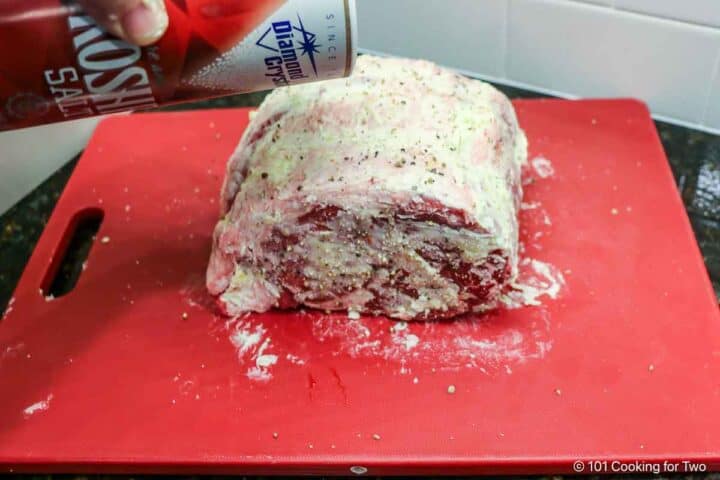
473	341
536	280
542	166
253	347
36	407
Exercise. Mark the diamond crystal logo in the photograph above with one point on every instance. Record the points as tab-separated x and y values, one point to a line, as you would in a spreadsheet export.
285	40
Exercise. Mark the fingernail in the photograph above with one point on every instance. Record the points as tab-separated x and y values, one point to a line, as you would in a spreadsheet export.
112	24
145	23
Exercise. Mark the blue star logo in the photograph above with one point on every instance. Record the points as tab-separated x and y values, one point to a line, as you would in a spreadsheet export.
308	44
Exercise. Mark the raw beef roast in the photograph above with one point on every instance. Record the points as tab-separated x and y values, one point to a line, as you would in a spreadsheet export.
393	192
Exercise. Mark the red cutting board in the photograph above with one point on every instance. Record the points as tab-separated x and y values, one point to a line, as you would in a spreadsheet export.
623	365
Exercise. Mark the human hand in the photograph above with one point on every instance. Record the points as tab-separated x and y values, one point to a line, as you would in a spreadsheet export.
141	22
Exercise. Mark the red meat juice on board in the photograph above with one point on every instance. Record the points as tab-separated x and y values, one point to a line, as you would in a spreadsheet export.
57	64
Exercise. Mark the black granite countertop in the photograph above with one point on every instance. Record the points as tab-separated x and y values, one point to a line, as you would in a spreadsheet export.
694	157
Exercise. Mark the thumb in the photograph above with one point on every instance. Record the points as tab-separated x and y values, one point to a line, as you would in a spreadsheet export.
141	22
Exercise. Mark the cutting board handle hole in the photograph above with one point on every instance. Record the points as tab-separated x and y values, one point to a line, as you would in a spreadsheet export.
68	262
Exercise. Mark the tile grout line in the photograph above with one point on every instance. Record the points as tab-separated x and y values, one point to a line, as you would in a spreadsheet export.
615	10
708	94
506	39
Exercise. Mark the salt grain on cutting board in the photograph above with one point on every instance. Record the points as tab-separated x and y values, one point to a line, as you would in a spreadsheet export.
12	351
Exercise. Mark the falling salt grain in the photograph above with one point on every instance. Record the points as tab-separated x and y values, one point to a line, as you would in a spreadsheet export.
127	208
451	389
416	380
376	436
651	368
184	316
558	392
275	435
614	211
218	135
105	240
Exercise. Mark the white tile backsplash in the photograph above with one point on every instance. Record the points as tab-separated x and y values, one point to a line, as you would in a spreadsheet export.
587	51
704	12
467	34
